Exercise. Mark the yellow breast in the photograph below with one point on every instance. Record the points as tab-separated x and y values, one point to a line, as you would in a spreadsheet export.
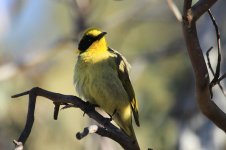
96	80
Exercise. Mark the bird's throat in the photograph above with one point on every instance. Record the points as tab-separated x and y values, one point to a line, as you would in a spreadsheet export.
98	51
100	45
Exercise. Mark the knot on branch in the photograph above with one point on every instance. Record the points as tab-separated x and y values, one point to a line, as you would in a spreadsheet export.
86	131
18	145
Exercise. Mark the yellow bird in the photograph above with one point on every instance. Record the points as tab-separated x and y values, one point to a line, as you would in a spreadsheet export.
101	77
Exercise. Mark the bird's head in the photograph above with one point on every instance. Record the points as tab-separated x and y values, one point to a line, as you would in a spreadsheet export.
92	38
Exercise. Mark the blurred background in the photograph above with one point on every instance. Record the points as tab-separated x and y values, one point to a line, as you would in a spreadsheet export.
38	43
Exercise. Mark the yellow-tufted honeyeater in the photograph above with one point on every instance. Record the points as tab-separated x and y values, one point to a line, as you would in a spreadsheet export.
101	77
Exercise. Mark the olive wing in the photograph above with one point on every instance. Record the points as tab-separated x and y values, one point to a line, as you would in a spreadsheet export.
122	68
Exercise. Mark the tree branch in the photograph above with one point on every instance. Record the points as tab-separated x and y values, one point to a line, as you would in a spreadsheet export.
207	106
211	70
216	75
109	129
201	7
192	13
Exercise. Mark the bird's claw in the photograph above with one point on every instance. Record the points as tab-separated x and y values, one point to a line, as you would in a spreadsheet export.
111	116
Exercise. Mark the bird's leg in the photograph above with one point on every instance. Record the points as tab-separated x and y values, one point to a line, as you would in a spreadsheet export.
111	116
107	120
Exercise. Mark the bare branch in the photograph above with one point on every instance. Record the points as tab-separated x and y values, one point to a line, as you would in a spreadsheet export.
175	10
217	73
211	70
206	105
56	110
222	77
201	7
109	129
192	13
187	6
208	60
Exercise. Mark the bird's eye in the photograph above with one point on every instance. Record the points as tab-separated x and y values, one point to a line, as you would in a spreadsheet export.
85	42
89	38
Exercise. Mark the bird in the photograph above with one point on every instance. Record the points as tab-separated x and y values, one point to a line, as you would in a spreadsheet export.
101	76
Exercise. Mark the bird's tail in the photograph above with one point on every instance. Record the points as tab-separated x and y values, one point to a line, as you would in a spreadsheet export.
127	127
133	135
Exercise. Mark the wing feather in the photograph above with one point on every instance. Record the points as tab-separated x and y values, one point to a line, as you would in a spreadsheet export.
122	68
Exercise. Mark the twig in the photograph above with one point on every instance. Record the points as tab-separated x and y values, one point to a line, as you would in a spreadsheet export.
109	129
217	73
175	10
56	110
222	77
208	60
211	69
200	8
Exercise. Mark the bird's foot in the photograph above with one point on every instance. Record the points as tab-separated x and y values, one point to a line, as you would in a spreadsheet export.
111	116
106	121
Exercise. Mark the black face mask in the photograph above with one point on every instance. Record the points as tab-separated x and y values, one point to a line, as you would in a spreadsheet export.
87	40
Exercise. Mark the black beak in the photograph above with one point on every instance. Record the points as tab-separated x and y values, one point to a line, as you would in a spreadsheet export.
101	35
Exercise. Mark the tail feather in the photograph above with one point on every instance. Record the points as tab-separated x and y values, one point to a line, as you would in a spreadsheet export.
134	136
136	117
126	126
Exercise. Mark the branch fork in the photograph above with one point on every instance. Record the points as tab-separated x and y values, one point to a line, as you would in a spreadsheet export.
191	13
203	89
